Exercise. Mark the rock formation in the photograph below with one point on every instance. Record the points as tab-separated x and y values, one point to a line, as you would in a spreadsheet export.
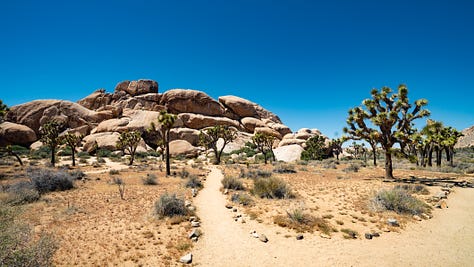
468	139
135	105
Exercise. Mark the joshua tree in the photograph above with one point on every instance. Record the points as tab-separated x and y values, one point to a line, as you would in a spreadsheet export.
264	144
8	150
73	140
315	149
362	132
3	110
166	121
451	137
391	116
336	147
209	137
128	142
50	137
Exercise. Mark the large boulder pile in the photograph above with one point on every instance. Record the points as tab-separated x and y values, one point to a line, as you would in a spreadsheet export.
135	105
468	139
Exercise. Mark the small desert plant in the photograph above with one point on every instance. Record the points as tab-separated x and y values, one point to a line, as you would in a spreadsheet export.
150	179
101	160
114	172
301	222
77	174
121	186
184	173
349	233
284	168
21	193
254	173
400	201
416	189
297	216
234	183
17	245
353	167
82	160
271	188
45	180
242	198
194	182
170	205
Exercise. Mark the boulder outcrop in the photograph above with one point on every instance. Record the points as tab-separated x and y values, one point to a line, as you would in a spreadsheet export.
198	121
139	87
12	133
245	108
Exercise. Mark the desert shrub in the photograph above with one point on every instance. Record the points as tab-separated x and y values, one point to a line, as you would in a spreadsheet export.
301	222
150	179
242	198
170	205
193	182
400	201
353	167
349	233
100	160
114	172
83	155
21	193
66	151
82	160
184	173
271	188
46	180
284	168
77	174
254	173
230	182
43	152
103	153
20	150
416	189
17	245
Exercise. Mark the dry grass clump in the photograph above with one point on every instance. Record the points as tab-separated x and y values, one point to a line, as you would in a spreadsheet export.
414	189
46	180
169	205
400	201
302	222
21	193
242	198
349	233
194	182
150	179
272	187
284	168
254	173
230	182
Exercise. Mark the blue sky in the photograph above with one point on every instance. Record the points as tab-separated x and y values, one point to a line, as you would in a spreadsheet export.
307	61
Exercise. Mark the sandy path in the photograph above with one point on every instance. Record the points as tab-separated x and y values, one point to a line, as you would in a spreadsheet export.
445	240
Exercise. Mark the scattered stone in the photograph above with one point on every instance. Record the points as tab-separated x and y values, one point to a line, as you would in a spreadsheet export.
195	233
441	195
441	205
446	189
323	235
416	218
192	208
194	192
188	258
375	234
234	209
393	222
425	216
368	236
263	238
187	203
254	234
386	230
194	239
229	206
226	191
193	219
299	237
242	220
195	224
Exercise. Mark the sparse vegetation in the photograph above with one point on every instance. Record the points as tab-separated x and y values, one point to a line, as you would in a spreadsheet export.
150	179
194	182
120	185
284	168
315	149
46	180
128	142
21	193
72	140
271	188
254	173
170	205
18	247
50	137
166	121
349	233
242	198
230	182
302	222
264	143
209	137
400	201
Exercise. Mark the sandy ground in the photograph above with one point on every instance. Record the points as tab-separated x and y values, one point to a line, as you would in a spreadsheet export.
445	240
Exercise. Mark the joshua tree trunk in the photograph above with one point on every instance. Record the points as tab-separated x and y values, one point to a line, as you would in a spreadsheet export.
168	167
374	153
73	157
53	156
430	156
451	157
438	157
388	166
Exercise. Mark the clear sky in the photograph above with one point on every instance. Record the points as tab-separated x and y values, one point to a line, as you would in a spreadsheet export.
307	61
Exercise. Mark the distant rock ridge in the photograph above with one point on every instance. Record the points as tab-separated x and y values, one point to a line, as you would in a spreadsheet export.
468	139
134	105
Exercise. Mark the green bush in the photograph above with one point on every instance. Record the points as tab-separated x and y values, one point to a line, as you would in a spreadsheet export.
83	155
400	201
103	153
234	183
193	182
169	205
45	180
17	245
43	152
271	188
150	179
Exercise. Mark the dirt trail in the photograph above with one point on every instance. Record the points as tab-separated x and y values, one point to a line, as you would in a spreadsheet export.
445	240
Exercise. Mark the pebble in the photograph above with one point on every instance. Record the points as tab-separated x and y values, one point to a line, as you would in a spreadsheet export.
229	206
194	233
416	218
195	224
299	237
263	238
441	204
393	222
425	216
368	236
254	234
188	258
323	235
